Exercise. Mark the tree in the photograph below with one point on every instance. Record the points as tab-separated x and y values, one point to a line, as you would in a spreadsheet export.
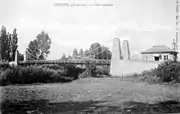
3	43
86	53
69	57
63	56
95	49
75	53
39	48
106	53
81	53
13	44
20	57
8	45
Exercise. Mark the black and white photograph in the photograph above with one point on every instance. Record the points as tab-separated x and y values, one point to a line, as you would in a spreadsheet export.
89	56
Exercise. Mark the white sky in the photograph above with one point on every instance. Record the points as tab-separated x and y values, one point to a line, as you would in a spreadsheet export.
143	22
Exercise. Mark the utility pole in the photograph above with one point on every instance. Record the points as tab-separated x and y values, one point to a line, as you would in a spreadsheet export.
177	28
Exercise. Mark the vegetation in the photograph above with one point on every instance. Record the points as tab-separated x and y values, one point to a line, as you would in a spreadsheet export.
48	73
167	72
39	48
8	44
75	52
38	74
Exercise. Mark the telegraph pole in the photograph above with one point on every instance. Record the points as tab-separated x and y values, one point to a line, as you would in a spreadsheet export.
177	28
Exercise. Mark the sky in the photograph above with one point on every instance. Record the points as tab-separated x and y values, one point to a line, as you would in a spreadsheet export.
143	23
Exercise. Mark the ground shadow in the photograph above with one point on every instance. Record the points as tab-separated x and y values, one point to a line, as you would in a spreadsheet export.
45	107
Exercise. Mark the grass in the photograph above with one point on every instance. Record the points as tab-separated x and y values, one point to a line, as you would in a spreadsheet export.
91	95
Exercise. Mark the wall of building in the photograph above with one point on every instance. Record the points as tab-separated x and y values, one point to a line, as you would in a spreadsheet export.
150	57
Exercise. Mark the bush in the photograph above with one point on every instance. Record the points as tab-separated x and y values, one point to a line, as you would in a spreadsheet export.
166	72
102	70
31	74
73	71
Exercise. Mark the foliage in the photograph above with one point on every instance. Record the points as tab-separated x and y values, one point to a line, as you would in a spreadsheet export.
73	71
20	57
81	52
31	74
39	48
99	51
63	56
75	52
102	70
169	72
95	50
166	72
8	45
69	57
86	53
38	74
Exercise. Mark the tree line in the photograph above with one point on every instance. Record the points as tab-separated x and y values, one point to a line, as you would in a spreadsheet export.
38	49
95	51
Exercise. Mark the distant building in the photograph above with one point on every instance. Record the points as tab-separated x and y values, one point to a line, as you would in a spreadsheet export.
159	53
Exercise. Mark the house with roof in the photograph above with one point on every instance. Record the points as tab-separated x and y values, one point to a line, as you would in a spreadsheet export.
159	53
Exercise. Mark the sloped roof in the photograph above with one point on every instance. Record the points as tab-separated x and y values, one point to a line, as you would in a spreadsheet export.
159	49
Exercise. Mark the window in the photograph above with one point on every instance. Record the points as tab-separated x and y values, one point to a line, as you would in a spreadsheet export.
156	58
165	57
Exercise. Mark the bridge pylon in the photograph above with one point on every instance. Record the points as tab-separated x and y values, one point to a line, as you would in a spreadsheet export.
116	56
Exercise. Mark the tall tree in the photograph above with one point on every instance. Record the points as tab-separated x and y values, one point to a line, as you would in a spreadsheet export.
8	44
69	57
86	53
63	56
95	49
39	48
75	52
13	44
81	53
3	40
20	57
106	53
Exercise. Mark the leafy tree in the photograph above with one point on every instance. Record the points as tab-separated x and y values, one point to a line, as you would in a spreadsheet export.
8	45
20	57
95	49
86	53
4	41
39	48
106	53
13	44
75	53
99	51
81	53
69	57
63	56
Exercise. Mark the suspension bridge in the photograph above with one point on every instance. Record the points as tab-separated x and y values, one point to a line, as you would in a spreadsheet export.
82	59
120	63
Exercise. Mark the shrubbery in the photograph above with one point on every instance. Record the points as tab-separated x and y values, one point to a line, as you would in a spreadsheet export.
37	74
168	71
50	73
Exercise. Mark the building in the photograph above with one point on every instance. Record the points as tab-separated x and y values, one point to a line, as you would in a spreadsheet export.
159	53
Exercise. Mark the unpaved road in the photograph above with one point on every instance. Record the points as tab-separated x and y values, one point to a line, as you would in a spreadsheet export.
105	95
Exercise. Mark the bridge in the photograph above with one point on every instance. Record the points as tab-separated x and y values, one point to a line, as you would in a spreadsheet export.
78	60
62	62
120	62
